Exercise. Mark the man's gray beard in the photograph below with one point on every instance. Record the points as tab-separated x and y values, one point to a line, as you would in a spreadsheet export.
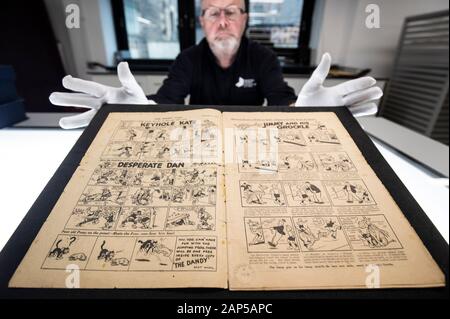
225	47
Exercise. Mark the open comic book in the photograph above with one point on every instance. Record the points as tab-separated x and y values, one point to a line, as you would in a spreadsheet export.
246	201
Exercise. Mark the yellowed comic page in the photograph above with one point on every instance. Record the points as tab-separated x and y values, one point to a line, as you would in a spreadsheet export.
306	211
144	209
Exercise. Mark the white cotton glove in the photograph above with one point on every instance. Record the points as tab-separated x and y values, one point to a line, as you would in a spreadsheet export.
93	95
357	94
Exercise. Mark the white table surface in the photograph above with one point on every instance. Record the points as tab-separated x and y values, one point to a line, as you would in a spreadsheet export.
29	158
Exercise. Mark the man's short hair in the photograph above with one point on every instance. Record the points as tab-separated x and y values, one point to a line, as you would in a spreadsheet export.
244	4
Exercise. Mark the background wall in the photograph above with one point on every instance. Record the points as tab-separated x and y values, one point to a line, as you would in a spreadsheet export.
343	33
95	39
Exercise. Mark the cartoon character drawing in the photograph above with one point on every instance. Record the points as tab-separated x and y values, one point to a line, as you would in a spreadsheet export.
59	252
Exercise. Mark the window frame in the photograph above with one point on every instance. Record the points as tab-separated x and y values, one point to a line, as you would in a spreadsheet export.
185	30
302	54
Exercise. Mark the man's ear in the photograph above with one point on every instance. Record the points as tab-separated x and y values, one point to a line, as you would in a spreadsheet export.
200	19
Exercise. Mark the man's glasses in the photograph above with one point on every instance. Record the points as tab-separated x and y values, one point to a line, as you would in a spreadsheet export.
232	13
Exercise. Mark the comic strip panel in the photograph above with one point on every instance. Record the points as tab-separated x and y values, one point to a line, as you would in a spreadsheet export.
296	162
209	151
68	250
369	232
209	130
270	234
194	195
103	196
320	234
128	132
93	218
142	218
111	253
158	178
321	136
306	193
196	176
334	162
349	193
262	194
122	150
159	134
153	254
246	165
195	253
290	140
148	196
283	163
157	151
191	218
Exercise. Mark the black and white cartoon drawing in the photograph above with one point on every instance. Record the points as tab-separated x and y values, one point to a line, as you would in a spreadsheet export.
209	130
104	177
142	218
121	150
350	192
306	193
372	235
144	196
191	218
205	219
370	232
111	253
116	177
125	151
179	220
158	135
79	256
93	217
59	252
158	177
335	162
209	150
262	193
130	132
322	135
278	233
67	250
256	231
296	162
320	234
153	247
194	195
163	153
196	176
153	253
106	254
247	165
277	195
142	149
96	195
290	138
270	234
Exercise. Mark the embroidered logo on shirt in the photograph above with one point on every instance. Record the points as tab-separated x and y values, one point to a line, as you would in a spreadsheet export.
245	83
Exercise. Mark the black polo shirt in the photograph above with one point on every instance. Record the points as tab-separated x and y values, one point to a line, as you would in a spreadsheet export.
254	76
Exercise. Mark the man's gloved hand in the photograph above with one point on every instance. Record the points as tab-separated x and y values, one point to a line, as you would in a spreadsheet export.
357	94
94	95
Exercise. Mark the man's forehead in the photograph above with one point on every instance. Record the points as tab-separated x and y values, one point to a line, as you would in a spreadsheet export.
222	3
